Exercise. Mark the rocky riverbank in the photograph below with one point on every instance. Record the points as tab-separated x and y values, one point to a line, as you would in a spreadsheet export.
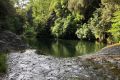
104	65
2	76
111	50
31	66
9	42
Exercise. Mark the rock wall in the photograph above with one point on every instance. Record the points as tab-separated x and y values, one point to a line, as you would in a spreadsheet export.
10	41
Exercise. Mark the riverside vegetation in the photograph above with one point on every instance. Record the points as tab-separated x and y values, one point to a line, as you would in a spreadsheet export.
89	20
3	65
63	19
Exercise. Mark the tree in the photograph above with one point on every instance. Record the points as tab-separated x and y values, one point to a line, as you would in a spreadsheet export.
115	30
40	9
84	32
6	12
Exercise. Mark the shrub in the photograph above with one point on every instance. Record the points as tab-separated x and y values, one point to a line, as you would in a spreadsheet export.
3	64
85	33
115	30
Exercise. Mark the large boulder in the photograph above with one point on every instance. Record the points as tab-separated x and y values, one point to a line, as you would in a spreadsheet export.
111	50
10	41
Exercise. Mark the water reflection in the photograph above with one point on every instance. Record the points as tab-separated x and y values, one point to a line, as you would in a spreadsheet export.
88	47
65	48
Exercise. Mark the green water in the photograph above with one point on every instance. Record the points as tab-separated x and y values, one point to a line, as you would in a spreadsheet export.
65	48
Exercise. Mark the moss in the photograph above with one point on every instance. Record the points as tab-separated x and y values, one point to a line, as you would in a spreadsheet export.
3	65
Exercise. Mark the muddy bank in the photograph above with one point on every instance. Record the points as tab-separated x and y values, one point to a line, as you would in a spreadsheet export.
31	66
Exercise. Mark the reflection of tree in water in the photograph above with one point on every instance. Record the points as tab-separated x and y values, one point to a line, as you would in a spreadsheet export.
88	47
98	46
64	48
59	49
44	45
82	48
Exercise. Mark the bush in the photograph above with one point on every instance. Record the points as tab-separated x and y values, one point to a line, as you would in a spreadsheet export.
85	33
64	27
115	30
3	64
57	30
29	31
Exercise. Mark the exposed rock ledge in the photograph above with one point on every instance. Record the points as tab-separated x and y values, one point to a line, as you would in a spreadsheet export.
10	41
111	50
31	66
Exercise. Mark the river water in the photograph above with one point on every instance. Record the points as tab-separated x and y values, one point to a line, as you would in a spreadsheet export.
65	48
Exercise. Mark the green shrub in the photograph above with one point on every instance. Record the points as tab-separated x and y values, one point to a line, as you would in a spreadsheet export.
3	64
115	30
85	33
29	31
57	29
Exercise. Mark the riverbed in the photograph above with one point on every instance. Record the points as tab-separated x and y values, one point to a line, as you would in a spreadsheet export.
30	66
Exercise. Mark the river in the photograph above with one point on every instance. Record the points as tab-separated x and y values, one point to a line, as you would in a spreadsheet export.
65	48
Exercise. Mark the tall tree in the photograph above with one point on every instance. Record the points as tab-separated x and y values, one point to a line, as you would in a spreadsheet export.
6	11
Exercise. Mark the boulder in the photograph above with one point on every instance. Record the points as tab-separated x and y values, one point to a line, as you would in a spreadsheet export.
10	42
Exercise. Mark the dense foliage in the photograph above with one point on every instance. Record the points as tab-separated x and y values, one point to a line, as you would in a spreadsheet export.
115	29
6	12
66	19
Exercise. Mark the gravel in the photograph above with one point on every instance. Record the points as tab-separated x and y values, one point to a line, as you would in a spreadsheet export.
31	66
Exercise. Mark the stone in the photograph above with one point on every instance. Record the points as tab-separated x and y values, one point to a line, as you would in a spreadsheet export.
10	41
